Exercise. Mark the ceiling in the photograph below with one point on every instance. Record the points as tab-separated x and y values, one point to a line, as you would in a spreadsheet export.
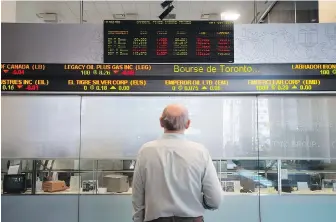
97	11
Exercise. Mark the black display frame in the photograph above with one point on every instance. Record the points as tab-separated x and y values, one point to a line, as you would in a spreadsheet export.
154	78
189	29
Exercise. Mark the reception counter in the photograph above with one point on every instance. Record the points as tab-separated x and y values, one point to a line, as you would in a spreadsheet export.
265	204
118	208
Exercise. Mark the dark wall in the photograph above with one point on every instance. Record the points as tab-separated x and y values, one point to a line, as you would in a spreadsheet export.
83	43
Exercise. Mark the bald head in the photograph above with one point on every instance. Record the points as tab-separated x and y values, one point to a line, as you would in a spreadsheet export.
175	118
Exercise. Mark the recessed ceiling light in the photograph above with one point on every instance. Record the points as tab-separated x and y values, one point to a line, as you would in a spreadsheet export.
210	16
229	16
119	16
205	16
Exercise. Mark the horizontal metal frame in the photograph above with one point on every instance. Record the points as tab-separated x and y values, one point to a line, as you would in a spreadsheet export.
121	194
171	93
177	63
134	158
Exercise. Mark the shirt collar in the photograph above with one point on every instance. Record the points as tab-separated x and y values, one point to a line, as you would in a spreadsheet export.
173	136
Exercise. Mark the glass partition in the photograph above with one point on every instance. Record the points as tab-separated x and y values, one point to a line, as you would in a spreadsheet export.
237	176
263	148
270	144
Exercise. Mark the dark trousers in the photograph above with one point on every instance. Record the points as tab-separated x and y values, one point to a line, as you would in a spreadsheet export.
179	219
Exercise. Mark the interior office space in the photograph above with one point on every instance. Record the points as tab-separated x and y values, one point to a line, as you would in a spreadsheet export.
273	145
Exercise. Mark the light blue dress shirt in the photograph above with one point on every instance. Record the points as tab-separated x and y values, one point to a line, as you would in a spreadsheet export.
174	177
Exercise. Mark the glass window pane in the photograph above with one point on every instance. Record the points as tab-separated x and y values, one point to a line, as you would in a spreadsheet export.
247	176
48	126
282	12
239	127
108	136
296	127
57	176
309	176
307	11
11	176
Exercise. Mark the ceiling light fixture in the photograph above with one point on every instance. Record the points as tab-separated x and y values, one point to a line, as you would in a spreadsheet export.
210	16
229	16
119	16
168	6
166	12
48	17
166	3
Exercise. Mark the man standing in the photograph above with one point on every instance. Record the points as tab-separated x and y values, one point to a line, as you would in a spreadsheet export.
174	178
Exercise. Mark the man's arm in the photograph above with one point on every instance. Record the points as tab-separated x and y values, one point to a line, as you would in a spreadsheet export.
138	192
212	189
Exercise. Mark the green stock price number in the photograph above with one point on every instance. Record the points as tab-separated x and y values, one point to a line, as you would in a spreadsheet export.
282	87
306	87
124	88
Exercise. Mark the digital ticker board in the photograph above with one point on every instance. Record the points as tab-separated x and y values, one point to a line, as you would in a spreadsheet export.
168	41
168	78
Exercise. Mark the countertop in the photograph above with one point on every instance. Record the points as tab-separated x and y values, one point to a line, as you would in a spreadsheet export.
263	192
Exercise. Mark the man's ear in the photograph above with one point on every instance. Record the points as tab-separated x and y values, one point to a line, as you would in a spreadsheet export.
161	122
188	124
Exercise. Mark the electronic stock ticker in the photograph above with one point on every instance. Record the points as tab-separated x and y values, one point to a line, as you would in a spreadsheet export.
169	78
168	41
